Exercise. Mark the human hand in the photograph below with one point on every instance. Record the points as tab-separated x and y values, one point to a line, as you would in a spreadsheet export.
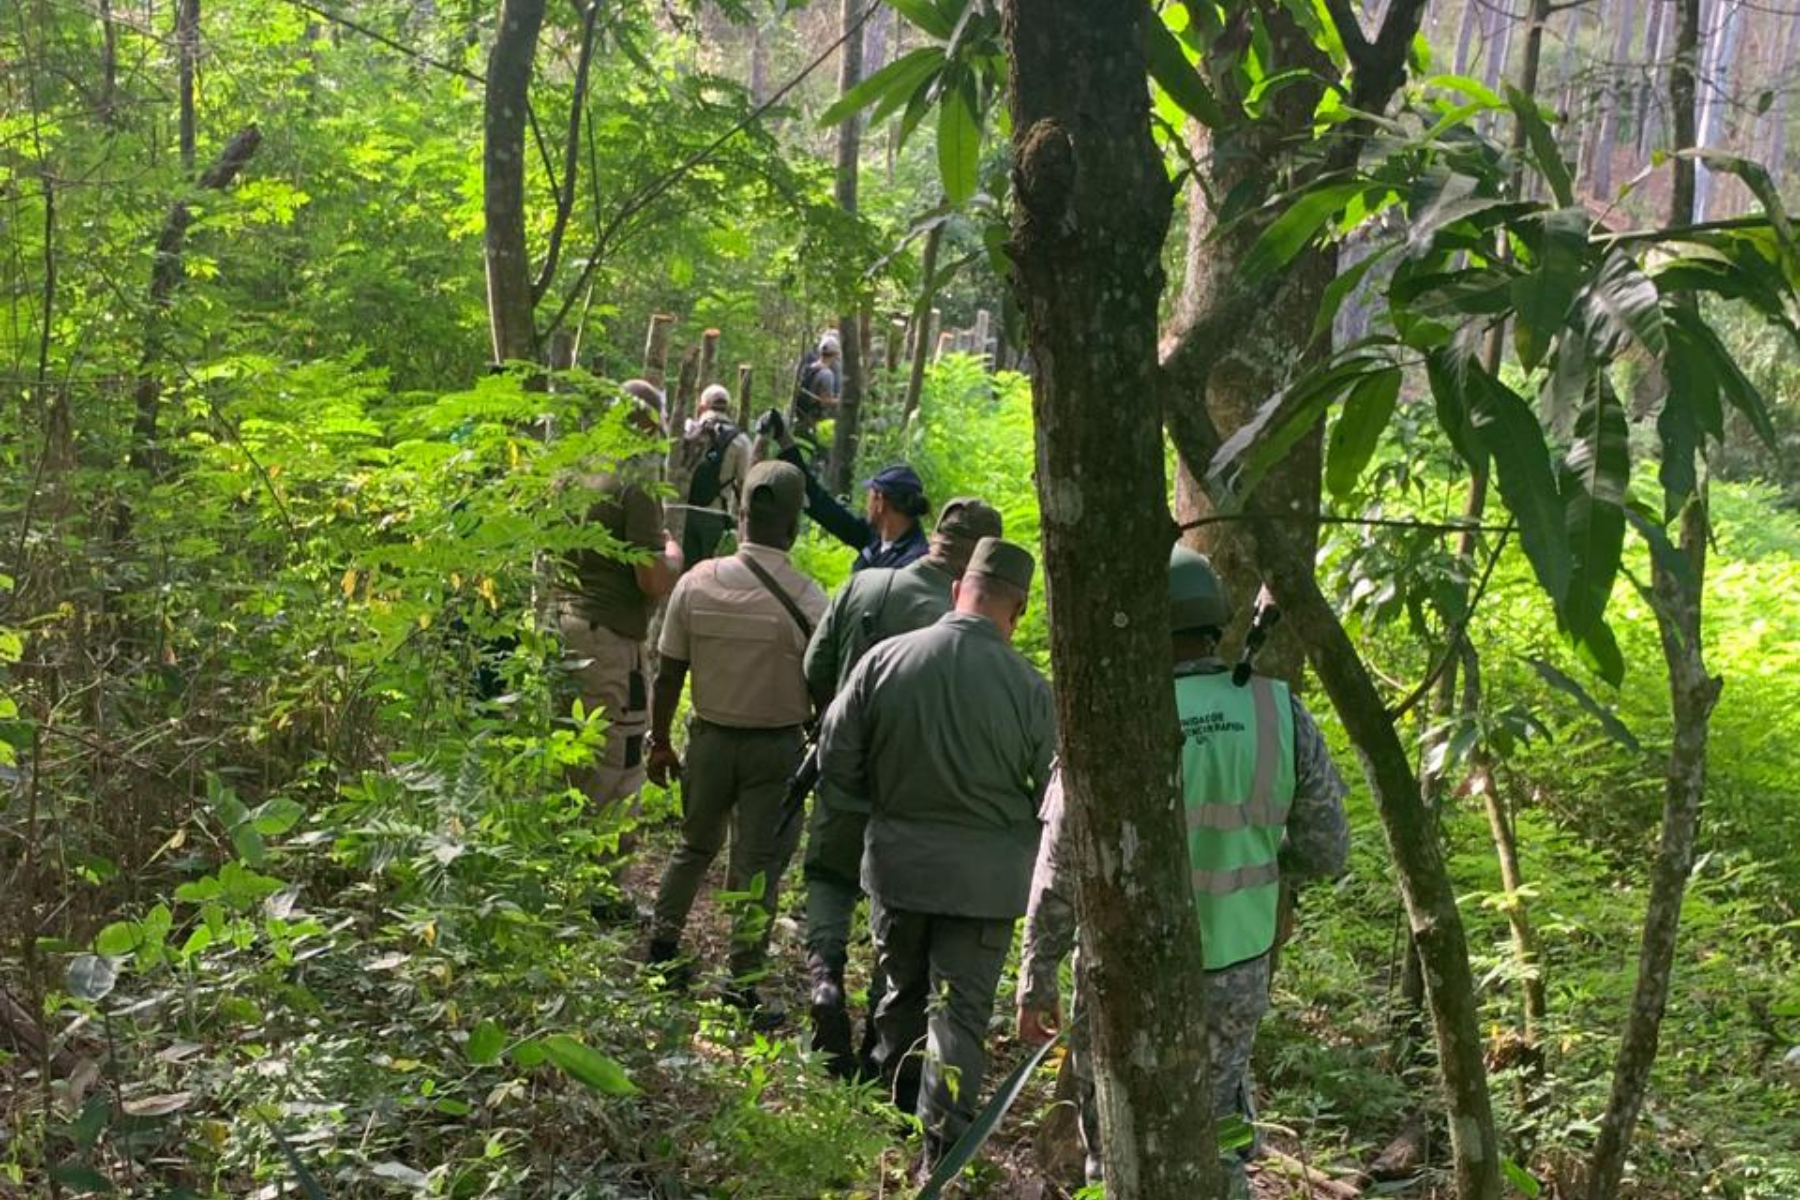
663	764
1038	1025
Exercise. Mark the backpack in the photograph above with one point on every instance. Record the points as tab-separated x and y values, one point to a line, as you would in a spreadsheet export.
806	402
706	484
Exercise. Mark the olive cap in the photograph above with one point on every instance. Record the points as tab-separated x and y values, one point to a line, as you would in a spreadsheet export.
1005	561
1196	594
968	519
782	480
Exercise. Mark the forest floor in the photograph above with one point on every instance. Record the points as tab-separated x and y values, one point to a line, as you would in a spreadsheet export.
1036	1153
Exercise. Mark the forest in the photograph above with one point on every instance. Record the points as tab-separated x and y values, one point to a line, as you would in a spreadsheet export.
1460	332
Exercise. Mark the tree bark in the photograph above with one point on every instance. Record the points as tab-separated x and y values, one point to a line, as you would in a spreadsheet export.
1655	31
1721	57
1094	204
109	64
166	274
187	49
847	428
571	164
1606	135
1252	157
1676	600
510	325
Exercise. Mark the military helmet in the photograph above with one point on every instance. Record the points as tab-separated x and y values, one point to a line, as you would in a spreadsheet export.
1196	595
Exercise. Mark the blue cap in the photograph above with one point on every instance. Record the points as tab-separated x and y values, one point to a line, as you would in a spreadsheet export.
897	480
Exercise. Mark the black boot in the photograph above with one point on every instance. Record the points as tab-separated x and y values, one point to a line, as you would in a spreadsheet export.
830	1017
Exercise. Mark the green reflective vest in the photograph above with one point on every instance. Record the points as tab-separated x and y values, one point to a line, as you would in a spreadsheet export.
1237	783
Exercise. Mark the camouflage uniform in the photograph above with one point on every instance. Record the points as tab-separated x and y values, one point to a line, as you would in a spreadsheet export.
1316	843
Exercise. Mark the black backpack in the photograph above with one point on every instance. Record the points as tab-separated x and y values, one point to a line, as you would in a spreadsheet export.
706	485
806	402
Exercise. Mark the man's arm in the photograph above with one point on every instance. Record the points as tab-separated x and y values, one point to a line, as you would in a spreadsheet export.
822	657
1318	832
657	578
844	732
644	529
1049	924
662	763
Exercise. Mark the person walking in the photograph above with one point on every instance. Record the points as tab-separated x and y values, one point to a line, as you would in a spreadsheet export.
739	627
1264	806
871	607
947	732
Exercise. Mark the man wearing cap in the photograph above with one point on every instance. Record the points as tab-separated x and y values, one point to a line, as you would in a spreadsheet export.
718	454
889	534
1264	805
603	611
947	732
873	606
740	626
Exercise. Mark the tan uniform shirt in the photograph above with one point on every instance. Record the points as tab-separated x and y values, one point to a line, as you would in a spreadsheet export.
744	649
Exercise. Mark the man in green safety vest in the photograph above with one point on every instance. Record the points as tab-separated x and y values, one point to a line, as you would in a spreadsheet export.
1264	805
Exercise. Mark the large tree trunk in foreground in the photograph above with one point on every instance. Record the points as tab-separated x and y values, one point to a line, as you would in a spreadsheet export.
1676	601
1093	207
510	325
848	425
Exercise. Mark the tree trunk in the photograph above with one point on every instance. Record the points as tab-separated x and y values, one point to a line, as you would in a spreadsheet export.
1093	208
166	274
744	371
1721	56
187	49
847	428
510	325
1656	23
1465	35
1676	601
1249	159
923	322
656	354
109	64
1775	156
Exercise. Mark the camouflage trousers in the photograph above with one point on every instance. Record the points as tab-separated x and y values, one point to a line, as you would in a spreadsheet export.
1236	999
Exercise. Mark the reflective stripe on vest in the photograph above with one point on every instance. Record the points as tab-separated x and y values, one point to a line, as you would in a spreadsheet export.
1237	770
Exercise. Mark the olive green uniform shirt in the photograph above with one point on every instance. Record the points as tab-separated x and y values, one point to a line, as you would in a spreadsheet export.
949	733
874	605
604	589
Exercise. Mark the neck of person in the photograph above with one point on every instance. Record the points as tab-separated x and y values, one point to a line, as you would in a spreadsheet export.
892	526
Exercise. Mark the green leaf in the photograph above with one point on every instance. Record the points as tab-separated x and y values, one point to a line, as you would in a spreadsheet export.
1340	288
486	1041
1663	552
1542	298
81	1177
926	16
1507	429
1283	419
959	144
984	1124
118	939
588	1066
1447	370
309	1186
1710	353
1596	474
1520	1178
249	844
1169	66
1298	224
1357	431
897	79
91	977
1609	721
275	817
1622	303
1543	146
527	1053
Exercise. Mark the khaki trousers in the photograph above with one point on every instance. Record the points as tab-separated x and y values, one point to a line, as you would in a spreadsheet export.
609	672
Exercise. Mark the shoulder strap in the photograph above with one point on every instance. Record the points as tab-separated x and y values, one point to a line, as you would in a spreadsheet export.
774	589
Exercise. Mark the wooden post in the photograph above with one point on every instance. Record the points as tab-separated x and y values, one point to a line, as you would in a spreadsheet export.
743	395
896	355
983	319
656	349
946	344
677	470
709	356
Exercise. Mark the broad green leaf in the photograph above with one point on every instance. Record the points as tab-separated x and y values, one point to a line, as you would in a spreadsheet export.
1622	303
1595	477
1447	369
959	143
1543	146
1543	297
527	1053
1609	721
249	844
1170	67
486	1041
899	77
1756	178
1283	419
275	817
118	939
1297	225
588	1065
926	16
1505	426
1710	353
1357	431
1520	1178
1693	381
984	1124
1341	287
91	977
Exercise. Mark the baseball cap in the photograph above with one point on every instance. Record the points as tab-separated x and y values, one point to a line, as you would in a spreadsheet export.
897	480
783	480
969	519
1006	561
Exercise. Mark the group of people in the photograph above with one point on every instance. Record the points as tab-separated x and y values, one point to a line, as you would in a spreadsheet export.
936	792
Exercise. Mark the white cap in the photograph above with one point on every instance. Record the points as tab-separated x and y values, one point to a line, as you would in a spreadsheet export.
715	396
828	345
